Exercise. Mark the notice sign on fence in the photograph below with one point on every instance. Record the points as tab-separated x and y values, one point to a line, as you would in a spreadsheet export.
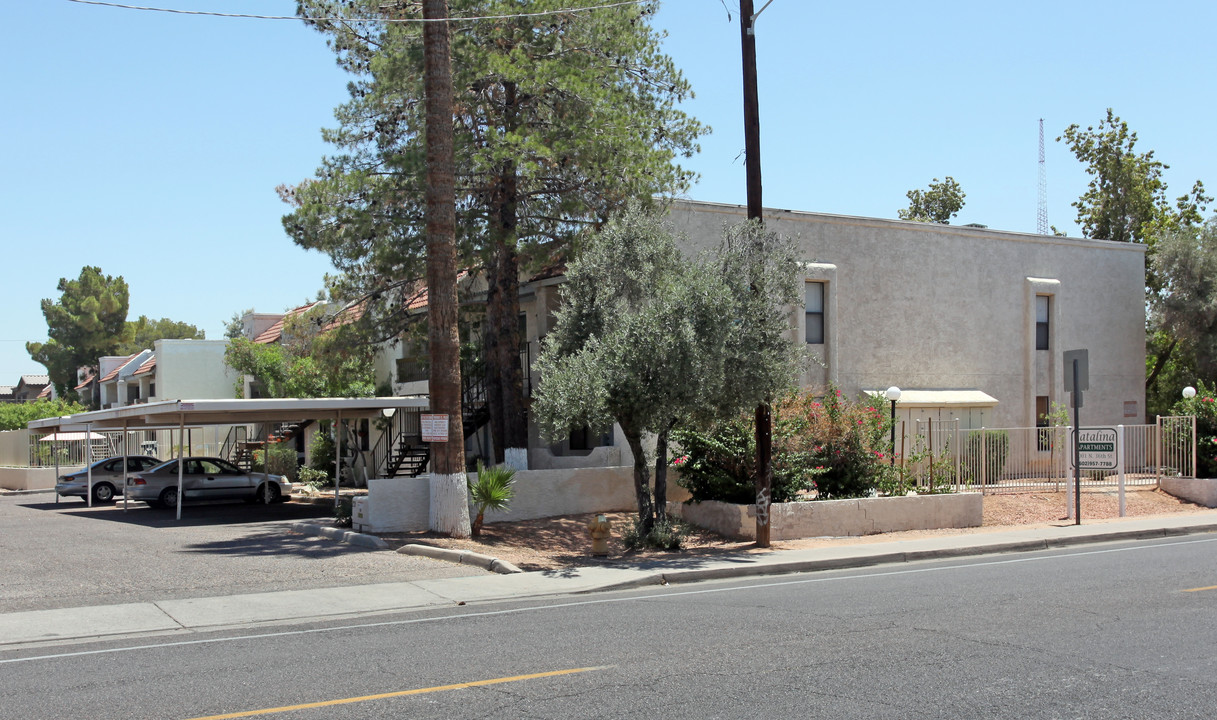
434	428
1096	449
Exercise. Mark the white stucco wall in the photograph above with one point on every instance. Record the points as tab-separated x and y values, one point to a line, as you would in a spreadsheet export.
928	306
193	369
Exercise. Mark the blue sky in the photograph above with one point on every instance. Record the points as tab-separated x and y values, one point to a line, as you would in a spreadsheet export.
150	144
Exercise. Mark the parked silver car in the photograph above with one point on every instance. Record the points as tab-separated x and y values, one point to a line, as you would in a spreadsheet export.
107	478
205	478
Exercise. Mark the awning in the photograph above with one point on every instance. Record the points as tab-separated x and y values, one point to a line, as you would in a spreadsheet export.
963	397
71	436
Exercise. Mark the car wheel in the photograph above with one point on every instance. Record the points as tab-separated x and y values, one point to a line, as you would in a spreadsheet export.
168	498
268	493
103	493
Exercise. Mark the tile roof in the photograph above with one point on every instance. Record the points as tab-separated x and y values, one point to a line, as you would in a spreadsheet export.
90	378
36	379
148	366
114	373
274	333
46	393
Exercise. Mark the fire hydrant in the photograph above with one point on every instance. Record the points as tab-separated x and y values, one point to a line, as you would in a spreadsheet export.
600	531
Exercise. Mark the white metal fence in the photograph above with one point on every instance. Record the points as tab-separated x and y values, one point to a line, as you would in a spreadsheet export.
936	454
21	448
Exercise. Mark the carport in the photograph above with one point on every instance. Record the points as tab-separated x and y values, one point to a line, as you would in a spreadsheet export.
183	414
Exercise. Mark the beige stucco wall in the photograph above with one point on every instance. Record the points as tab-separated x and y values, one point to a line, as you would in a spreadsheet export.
26	478
193	369
928	306
839	518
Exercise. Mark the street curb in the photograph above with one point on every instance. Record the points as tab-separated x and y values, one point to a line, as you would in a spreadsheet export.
798	566
347	536
464	557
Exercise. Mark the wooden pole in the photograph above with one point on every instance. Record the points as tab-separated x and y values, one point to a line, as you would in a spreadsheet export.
752	169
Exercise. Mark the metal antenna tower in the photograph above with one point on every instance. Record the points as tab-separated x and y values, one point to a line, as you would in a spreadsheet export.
1041	214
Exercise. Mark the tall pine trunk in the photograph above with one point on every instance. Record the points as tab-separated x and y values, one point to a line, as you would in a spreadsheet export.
504	381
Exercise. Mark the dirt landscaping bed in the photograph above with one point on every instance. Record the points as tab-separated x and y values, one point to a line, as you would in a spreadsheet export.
563	542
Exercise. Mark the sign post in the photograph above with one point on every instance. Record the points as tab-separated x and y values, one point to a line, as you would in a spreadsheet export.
1077	379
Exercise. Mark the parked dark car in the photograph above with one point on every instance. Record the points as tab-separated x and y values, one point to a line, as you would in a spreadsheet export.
107	478
205	478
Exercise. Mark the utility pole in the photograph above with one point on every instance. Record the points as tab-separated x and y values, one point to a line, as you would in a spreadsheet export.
752	169
449	502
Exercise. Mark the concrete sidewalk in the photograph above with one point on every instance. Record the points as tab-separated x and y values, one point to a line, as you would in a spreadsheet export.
196	614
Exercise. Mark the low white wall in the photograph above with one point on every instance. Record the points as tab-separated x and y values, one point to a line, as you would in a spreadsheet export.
600	457
402	504
839	518
399	504
24	478
1202	491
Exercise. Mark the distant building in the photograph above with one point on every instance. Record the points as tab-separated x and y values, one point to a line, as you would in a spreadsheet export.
30	387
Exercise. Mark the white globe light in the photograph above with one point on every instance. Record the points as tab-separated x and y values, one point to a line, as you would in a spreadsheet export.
893	393
1189	392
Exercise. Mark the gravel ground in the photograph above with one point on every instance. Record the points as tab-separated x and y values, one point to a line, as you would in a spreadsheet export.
562	542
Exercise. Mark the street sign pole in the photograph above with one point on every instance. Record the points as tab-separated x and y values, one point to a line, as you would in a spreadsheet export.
1077	448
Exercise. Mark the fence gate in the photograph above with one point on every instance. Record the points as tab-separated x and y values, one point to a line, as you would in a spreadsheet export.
1176	446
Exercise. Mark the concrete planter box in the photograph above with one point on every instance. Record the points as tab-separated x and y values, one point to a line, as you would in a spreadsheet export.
25	478
1202	491
838	518
403	504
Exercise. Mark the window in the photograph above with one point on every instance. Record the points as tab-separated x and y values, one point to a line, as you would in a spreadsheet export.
813	296
1041	322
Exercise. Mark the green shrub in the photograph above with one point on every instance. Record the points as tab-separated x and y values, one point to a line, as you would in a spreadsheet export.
1204	408
664	535
847	442
314	478
322	452
721	464
282	460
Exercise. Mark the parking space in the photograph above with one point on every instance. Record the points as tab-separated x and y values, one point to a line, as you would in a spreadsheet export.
65	554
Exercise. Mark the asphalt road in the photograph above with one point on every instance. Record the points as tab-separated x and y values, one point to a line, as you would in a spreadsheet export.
69	555
1111	631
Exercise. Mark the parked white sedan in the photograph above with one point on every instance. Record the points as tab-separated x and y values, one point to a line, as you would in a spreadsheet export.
205	478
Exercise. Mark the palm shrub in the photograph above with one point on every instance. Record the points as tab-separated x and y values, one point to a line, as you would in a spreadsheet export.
492	491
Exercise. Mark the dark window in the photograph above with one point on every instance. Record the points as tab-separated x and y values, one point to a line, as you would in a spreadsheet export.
814	305
1041	322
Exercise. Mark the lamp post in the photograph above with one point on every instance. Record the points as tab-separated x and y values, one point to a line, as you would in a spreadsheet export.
893	394
1189	392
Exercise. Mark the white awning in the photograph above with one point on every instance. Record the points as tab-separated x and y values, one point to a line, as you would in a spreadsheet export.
71	436
964	397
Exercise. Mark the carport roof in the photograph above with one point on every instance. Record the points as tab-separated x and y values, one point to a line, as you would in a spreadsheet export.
949	397
173	413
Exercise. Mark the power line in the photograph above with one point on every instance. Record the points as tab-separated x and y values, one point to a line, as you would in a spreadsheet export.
348	19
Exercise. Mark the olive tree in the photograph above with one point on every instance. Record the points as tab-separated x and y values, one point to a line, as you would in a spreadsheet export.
651	340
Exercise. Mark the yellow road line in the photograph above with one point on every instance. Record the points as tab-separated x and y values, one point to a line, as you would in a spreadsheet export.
1210	587
401	693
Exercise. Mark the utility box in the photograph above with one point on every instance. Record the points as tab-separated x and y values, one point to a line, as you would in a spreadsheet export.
360	518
